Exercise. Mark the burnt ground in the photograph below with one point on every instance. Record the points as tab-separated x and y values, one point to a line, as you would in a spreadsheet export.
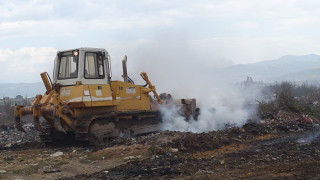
279	148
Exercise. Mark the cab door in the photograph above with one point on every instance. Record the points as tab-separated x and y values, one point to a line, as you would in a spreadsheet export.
94	72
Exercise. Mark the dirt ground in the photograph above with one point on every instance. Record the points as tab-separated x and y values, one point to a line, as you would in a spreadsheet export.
275	148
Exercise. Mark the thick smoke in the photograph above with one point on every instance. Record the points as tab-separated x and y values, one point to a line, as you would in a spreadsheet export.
176	67
220	109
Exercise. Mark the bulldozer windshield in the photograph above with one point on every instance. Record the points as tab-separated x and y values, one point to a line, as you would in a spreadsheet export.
68	67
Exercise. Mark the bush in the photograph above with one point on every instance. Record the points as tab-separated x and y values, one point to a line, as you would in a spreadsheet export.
302	99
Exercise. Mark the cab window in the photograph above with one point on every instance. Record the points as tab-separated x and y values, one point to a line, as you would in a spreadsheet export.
68	67
94	67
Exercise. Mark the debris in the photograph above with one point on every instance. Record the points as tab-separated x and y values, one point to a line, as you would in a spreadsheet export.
10	136
56	154
51	171
8	158
174	150
305	119
9	145
249	152
132	157
2	171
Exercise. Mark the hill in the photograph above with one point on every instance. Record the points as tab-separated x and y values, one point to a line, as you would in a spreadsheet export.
286	68
23	89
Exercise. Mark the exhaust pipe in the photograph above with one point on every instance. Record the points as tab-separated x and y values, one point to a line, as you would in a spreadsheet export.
124	68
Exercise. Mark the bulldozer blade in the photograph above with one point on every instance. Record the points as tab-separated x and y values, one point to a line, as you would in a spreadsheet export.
57	125
19	125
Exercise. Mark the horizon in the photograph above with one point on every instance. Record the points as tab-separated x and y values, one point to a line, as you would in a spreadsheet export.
228	66
305	72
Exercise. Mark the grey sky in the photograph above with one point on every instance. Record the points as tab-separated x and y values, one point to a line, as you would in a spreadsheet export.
204	33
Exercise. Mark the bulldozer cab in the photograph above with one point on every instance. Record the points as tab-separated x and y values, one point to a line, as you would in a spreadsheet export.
83	65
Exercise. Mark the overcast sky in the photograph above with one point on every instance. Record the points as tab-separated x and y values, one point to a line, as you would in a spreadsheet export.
154	33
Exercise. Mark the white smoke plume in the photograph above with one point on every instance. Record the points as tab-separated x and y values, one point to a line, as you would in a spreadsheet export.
176	66
227	108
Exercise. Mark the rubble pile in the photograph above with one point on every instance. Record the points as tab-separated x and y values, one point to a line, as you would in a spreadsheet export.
195	142
279	147
257	150
10	136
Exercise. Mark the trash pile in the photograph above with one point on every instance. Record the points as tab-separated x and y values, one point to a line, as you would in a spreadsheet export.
263	150
282	146
10	136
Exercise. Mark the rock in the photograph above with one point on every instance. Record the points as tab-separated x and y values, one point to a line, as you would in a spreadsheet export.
51	171
8	158
174	150
9	145
132	157
2	171
56	154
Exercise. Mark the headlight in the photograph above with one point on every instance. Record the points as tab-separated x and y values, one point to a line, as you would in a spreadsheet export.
75	53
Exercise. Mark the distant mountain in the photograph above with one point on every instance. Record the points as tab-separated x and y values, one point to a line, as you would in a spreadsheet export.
24	89
286	68
310	75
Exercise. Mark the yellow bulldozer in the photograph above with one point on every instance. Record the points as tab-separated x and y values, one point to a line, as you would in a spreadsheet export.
83	103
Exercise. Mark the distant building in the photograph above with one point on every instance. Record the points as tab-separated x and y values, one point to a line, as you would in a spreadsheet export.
19	97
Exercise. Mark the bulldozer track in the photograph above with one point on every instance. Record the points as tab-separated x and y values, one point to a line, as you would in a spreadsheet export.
124	124
105	126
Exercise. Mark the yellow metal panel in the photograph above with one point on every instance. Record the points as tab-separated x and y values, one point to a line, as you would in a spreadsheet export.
76	94
130	96
124	95
101	95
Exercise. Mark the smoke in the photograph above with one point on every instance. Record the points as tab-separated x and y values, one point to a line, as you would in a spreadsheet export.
220	109
310	137
176	66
